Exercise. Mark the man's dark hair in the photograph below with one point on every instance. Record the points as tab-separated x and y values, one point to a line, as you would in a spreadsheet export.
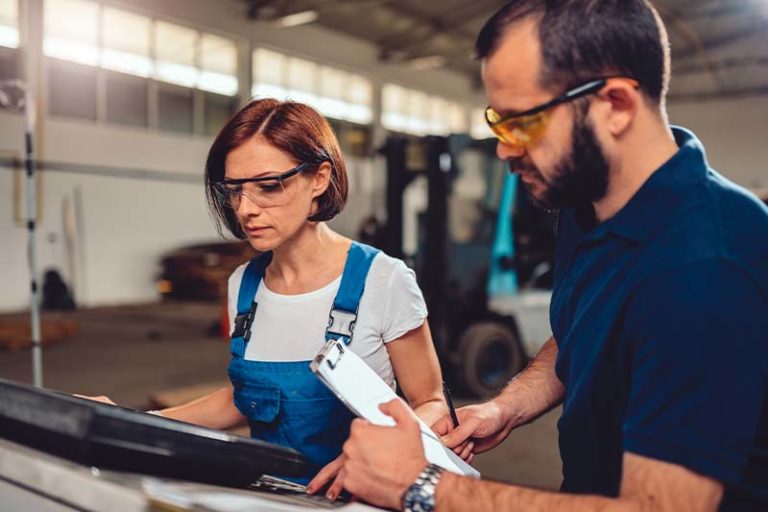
585	39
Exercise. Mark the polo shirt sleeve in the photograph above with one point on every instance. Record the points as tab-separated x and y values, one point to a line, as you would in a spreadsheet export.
698	365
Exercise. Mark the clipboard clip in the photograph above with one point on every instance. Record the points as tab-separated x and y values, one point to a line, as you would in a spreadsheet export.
339	352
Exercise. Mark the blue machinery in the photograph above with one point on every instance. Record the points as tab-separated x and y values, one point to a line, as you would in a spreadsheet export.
503	281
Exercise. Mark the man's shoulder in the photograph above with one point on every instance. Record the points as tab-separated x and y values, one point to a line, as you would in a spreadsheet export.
720	222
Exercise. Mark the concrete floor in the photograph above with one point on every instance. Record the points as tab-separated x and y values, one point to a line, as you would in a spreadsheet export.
128	353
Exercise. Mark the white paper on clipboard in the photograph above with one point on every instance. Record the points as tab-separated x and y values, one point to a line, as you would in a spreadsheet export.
362	391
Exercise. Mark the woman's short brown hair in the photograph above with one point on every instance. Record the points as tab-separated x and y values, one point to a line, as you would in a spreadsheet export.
292	127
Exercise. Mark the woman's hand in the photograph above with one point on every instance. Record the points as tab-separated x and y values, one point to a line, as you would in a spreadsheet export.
103	399
333	471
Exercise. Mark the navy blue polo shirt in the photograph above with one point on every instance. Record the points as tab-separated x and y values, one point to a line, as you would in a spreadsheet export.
661	319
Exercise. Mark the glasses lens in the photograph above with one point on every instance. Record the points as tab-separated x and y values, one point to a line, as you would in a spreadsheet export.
262	193
521	131
267	193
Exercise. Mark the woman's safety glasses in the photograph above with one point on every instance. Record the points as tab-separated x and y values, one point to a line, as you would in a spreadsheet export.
264	191
520	130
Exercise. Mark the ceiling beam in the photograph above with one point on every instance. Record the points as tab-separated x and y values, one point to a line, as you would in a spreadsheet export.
431	25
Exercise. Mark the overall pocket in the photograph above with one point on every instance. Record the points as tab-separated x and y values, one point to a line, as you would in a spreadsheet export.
261	405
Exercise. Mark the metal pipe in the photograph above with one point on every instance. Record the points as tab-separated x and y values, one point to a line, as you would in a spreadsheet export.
37	350
15	95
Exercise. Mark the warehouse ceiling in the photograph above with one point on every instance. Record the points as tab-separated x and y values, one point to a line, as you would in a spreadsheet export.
719	47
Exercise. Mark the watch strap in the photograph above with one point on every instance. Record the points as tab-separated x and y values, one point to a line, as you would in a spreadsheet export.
420	496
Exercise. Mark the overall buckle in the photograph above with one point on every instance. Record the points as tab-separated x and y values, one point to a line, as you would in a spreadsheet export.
341	324
244	322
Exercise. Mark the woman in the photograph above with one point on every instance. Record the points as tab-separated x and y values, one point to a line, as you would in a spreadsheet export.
274	176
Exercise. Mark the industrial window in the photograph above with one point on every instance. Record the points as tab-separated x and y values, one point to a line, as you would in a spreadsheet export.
72	90
335	93
141	50
194	59
175	54
125	45
9	23
410	111
218	109
126	100
269	71
72	31
218	65
175	109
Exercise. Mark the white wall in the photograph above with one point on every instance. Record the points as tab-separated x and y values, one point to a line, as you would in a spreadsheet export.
735	134
126	223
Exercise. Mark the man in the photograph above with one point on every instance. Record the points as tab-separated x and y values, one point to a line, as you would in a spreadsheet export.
659	311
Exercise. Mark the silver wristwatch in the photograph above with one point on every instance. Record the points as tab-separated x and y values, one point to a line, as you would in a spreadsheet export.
420	496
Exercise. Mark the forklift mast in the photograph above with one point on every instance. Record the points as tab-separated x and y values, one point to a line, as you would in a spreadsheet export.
477	305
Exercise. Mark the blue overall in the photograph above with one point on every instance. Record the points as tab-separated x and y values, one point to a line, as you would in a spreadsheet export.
285	403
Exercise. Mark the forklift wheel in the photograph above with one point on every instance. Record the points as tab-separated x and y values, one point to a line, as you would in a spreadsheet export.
490	355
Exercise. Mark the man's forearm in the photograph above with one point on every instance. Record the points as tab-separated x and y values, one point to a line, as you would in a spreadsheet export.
535	390
458	493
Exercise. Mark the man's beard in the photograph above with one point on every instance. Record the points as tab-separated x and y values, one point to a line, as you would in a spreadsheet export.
580	177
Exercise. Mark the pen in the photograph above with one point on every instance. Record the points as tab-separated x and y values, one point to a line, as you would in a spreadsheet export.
447	395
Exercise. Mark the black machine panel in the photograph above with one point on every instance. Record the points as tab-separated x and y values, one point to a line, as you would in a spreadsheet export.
111	437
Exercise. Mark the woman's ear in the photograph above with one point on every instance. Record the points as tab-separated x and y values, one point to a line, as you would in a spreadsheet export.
321	179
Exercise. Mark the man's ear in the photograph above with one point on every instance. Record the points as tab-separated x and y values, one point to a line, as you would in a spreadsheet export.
321	179
623	101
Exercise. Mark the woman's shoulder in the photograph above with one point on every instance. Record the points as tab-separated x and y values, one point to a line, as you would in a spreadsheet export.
237	275
388	272
383	263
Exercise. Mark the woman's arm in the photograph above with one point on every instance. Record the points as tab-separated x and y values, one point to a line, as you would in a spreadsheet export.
215	410
417	371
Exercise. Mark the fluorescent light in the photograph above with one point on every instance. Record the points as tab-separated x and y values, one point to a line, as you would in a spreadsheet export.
299	18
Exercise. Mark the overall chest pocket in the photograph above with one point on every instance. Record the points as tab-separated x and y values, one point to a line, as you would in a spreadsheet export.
261	404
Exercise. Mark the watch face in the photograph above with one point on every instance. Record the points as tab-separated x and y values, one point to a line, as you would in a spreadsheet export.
420	496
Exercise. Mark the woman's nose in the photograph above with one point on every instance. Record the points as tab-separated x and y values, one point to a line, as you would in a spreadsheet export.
247	206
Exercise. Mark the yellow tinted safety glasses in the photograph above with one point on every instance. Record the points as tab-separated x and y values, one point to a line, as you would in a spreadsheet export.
520	130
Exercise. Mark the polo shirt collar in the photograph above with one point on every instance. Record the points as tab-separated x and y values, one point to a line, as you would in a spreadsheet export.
662	194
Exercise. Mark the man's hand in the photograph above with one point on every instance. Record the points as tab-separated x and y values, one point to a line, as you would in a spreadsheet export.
465	449
333	471
483	426
382	462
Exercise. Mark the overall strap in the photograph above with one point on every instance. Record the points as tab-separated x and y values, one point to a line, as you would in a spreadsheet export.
343	314
246	306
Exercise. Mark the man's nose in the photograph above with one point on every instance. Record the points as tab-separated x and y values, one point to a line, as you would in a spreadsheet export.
507	152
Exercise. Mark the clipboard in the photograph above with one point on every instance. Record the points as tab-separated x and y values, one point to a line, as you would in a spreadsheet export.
362	391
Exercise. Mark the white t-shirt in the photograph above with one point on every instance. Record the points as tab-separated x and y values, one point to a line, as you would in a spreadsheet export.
292	327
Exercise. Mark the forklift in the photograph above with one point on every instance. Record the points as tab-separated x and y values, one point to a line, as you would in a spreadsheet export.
484	263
